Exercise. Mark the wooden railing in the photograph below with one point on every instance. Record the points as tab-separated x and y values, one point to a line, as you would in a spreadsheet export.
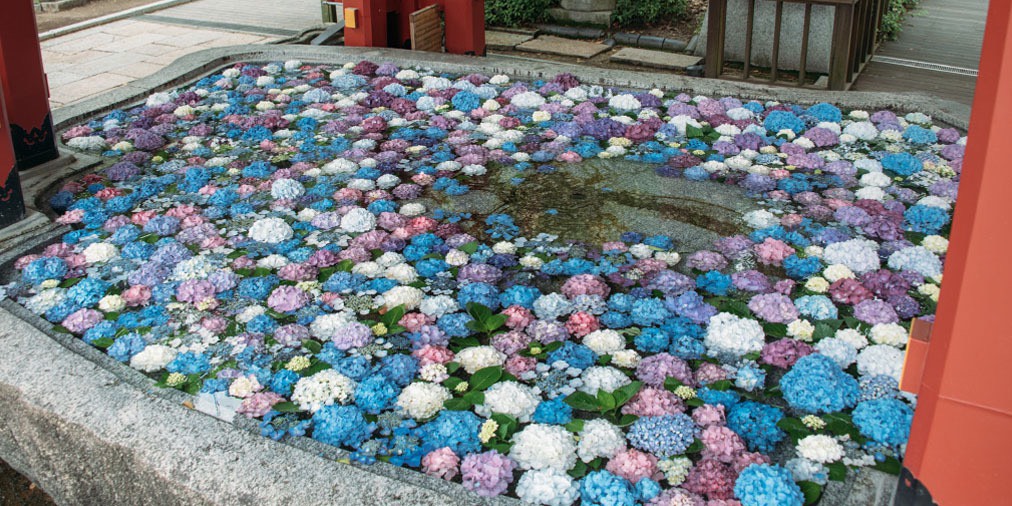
854	38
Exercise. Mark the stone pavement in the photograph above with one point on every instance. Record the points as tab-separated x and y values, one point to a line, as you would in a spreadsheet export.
92	61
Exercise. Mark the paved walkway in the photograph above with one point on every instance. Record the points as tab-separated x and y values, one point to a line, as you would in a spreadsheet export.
92	61
937	52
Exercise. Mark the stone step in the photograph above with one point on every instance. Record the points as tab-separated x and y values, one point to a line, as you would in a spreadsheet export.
656	59
564	47
588	5
599	18
495	39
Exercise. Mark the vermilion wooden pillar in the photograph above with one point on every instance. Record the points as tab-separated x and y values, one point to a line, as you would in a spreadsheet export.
960	448
24	84
12	205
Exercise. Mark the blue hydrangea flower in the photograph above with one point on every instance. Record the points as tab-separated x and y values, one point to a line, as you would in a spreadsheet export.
767	485
757	424
554	411
664	436
341	426
902	164
376	393
885	421
602	487
457	430
816	384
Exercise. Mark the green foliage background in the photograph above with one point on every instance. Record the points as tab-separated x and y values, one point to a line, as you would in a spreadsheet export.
638	12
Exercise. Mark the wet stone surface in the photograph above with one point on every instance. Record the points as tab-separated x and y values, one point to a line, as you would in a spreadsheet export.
596	200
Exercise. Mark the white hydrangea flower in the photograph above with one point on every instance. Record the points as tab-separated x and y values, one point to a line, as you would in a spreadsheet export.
669	257
892	334
358	220
870	193
760	219
98	252
407	296
599	438
323	389
877	179
842	352
836	272
457	258
111	304
326	326
402	273
863	130
732	335
154	357
421	400
820	448
479	357
852	336
539	446
604	342
244	386
626	358
528	100
624	102
682	121
287	189
367	269
547	487
340	166
438	306
935	244
641	250
675	470
801	330
880	359
817	284
510	398
88	143
858	255
602	378
504	248
918	259
271	230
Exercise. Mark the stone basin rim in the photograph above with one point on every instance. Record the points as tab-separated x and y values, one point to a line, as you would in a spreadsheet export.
112	381
193	66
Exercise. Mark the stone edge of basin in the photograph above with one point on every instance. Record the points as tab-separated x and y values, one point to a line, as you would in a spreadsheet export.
91	430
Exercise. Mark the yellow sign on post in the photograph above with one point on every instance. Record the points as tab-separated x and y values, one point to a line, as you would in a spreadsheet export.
350	17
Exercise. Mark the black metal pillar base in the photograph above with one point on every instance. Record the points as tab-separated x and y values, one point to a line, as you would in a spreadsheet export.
34	146
911	492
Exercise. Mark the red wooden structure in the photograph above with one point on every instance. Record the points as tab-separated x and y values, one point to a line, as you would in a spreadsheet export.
385	23
24	84
960	448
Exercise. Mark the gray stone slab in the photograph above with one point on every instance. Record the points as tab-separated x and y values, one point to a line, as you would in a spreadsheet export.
819	42
657	59
505	40
588	5
600	18
565	47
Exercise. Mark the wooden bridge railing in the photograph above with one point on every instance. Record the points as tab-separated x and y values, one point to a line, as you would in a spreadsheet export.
854	38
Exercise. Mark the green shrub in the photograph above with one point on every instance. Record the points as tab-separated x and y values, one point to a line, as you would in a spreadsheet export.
515	12
637	12
892	21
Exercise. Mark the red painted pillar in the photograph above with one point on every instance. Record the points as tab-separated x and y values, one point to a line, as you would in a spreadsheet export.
12	205
24	84
960	449
465	26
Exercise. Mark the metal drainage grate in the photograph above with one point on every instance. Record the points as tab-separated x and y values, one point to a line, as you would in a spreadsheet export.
937	67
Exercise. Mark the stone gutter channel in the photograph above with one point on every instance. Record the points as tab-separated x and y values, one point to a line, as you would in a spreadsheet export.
91	430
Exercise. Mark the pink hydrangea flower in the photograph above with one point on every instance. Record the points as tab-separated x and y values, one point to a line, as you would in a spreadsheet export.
441	463
633	465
